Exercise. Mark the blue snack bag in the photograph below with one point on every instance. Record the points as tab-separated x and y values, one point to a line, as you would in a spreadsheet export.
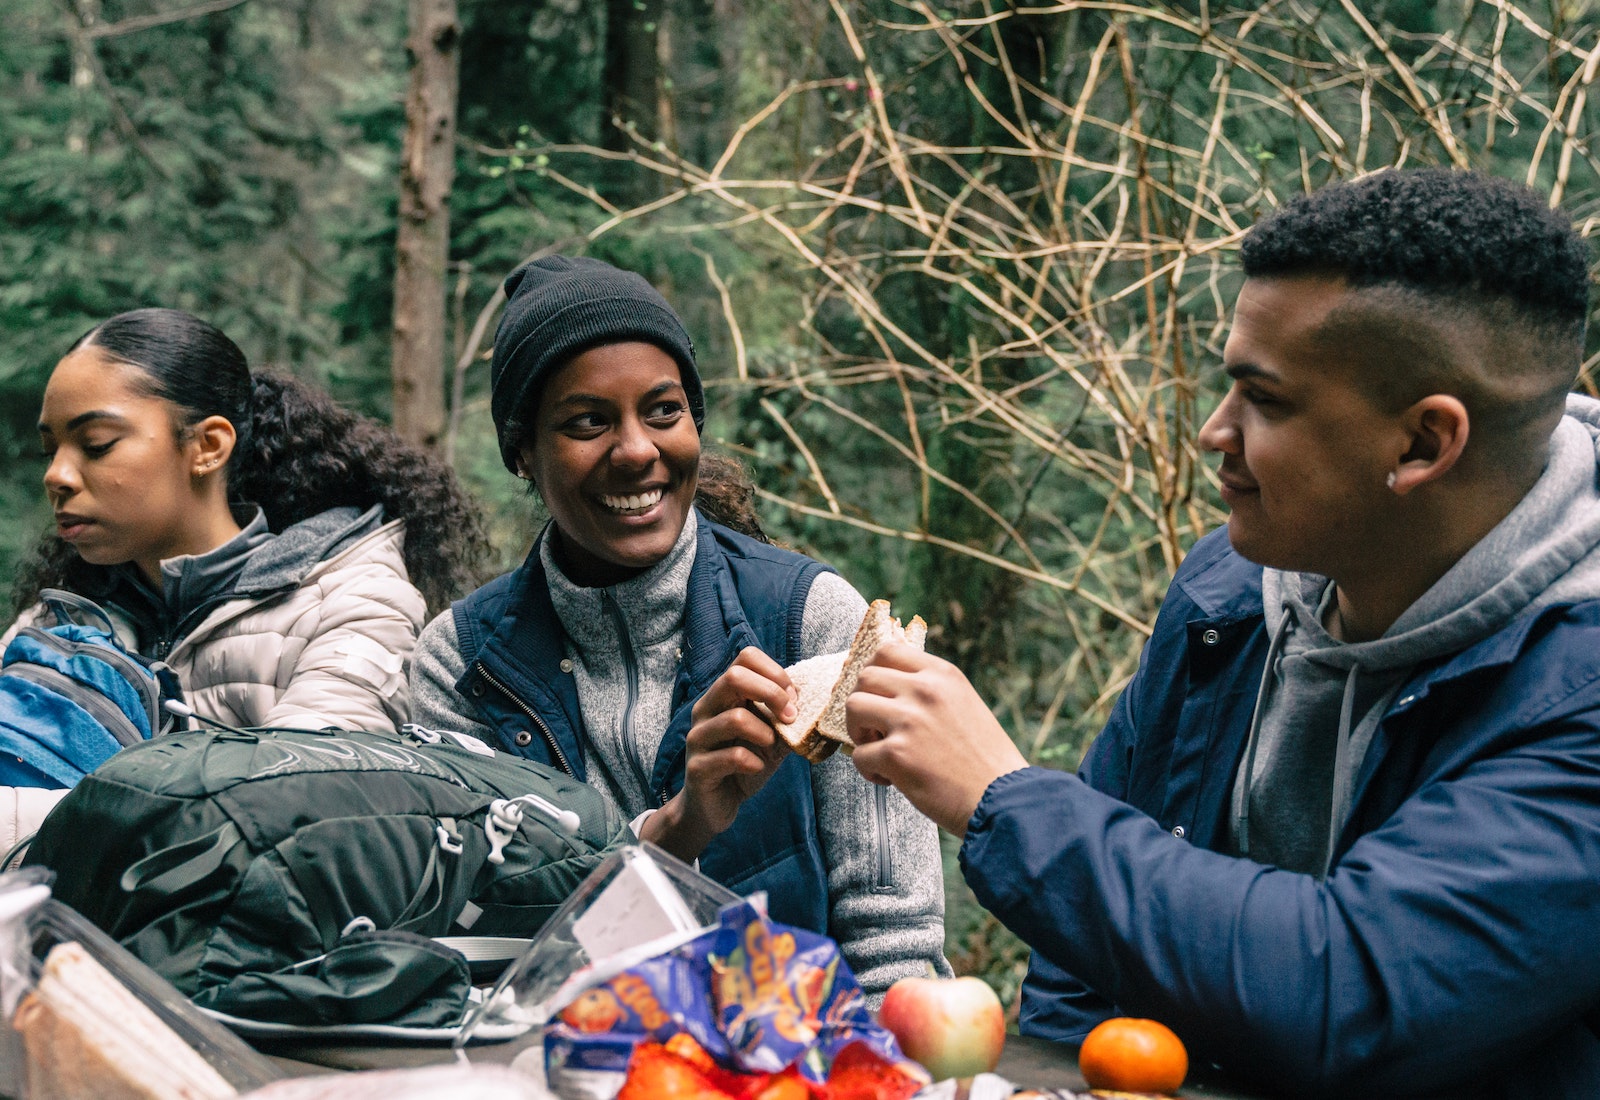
757	996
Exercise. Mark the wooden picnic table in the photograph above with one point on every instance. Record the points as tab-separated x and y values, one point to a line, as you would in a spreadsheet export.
1026	1062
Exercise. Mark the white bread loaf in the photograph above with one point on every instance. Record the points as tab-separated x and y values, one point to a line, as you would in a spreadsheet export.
824	683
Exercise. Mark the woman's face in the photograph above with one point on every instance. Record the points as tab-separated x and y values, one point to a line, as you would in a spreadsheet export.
614	453
120	478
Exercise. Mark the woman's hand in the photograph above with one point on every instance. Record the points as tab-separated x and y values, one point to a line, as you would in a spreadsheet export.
732	750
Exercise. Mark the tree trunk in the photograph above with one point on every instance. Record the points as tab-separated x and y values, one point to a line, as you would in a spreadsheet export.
632	81
88	15
422	247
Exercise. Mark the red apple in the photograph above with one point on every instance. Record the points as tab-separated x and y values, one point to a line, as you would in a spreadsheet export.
954	1027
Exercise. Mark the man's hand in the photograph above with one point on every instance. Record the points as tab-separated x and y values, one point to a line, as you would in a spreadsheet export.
919	724
731	752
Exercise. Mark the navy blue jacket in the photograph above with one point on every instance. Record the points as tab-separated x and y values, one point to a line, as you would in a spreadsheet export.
1455	944
741	593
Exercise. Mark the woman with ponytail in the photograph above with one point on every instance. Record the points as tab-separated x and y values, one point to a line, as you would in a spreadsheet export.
278	551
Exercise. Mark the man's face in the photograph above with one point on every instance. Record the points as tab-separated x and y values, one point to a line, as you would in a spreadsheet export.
1305	452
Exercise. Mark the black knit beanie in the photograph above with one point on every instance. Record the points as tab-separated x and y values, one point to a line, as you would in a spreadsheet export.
560	307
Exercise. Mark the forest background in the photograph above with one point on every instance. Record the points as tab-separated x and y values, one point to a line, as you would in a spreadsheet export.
957	271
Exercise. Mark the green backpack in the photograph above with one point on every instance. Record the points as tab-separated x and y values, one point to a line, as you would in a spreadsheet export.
299	878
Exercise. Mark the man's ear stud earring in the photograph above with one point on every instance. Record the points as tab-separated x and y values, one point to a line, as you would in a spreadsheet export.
1391	479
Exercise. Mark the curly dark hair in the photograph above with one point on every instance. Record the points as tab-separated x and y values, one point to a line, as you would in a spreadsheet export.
298	453
1434	230
725	494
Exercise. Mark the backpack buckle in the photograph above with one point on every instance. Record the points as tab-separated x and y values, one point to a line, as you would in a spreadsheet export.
449	838
420	733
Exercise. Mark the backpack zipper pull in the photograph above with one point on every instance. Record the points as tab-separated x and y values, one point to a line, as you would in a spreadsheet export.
505	816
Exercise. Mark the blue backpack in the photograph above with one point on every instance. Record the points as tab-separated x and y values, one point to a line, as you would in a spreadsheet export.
71	695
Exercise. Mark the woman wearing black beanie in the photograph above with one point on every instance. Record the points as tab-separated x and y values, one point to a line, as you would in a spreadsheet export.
630	646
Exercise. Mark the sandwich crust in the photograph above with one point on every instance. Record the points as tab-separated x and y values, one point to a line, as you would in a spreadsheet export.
823	684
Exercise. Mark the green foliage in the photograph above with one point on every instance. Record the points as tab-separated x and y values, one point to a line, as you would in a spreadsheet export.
1005	239
958	300
225	165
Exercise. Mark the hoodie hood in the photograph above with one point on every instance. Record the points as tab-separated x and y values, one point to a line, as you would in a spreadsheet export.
1321	700
1542	553
285	561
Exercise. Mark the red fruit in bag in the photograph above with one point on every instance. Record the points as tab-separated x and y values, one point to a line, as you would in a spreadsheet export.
859	1073
655	1073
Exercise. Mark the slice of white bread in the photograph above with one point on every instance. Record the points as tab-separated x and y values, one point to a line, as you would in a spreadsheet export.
824	683
88	1037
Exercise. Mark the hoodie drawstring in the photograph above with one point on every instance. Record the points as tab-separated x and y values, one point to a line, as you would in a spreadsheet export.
1342	781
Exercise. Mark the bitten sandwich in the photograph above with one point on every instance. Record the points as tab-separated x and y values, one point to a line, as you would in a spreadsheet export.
824	683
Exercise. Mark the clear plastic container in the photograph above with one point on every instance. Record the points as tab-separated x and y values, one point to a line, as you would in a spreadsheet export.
638	903
51	924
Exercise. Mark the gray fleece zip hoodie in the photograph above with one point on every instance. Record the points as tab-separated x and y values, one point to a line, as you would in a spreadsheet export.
1321	700
885	877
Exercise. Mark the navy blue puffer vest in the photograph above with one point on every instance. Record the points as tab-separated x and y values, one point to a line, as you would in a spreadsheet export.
741	592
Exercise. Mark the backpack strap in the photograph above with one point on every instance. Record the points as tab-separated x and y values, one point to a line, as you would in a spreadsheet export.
69	607
18	850
487	956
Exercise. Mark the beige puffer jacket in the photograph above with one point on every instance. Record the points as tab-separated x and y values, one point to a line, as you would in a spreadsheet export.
332	652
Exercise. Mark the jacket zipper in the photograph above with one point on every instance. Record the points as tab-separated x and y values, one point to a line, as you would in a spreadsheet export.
885	874
630	667
544	730
131	670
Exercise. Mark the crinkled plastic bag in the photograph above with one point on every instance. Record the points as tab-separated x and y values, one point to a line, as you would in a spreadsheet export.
757	996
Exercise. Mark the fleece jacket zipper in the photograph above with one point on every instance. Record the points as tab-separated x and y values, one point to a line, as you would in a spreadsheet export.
630	744
883	880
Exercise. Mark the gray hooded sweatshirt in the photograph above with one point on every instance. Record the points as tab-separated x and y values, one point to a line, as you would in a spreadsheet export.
1321	700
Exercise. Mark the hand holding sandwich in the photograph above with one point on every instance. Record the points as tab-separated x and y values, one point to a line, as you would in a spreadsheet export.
732	751
920	725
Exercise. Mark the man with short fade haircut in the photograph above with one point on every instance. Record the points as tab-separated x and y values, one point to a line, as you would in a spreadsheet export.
1342	830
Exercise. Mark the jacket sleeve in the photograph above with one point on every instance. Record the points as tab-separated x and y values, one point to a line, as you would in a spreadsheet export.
885	870
1056	1005
1395	973
351	672
27	618
435	669
22	811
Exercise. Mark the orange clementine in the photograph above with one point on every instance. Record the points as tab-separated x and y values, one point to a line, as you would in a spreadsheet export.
1131	1055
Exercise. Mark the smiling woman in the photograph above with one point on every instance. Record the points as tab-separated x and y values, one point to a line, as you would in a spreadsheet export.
633	646
618	478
